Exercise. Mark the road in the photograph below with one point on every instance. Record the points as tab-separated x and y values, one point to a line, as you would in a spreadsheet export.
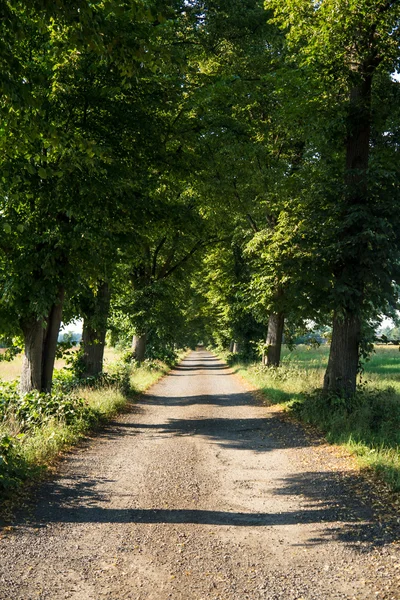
201	493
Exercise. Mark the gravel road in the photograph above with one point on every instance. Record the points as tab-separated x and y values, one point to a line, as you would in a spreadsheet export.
202	493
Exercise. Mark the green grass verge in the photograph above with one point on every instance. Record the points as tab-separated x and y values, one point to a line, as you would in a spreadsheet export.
368	425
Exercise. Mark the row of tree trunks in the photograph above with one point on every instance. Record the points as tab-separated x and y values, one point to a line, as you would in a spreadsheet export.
40	340
40	344
343	363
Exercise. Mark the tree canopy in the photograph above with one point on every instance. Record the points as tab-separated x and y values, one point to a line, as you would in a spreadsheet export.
210	171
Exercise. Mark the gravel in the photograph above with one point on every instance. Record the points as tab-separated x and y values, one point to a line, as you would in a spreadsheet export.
202	493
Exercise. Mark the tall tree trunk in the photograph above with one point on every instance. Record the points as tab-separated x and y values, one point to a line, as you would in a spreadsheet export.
94	333
31	375
139	346
231	345
50	342
272	357
341	373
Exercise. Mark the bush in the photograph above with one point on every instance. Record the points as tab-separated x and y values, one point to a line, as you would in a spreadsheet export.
371	416
23	416
12	467
66	380
36	408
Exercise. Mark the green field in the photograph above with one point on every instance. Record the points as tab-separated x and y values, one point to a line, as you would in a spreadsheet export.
383	365
9	371
368	425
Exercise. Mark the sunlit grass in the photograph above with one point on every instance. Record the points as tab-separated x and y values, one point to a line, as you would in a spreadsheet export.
368	426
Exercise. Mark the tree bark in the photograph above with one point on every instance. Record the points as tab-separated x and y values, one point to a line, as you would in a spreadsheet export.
231	346
341	373
93	351
272	357
139	347
94	333
31	375
236	348
50	342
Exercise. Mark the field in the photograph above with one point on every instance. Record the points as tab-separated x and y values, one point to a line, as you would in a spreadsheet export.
368	425
304	368
9	371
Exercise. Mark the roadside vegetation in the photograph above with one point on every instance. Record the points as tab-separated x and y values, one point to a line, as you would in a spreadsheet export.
36	427
368	425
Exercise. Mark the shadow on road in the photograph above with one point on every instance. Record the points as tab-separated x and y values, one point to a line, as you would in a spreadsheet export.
244	399
199	367
87	514
330	501
191	367
333	500
258	435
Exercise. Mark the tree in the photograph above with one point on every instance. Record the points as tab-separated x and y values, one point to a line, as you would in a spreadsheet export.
344	49
70	147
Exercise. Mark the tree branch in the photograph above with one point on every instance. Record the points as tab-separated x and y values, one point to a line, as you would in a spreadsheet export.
252	223
155	255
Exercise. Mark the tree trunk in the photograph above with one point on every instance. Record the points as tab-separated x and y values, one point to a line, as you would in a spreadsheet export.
231	346
31	375
139	347
94	333
50	342
236	348
93	351
272	357
341	373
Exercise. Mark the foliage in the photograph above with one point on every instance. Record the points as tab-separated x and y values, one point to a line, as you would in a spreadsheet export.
35	408
11	469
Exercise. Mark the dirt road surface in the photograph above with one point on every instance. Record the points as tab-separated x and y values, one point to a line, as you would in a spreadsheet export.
201	493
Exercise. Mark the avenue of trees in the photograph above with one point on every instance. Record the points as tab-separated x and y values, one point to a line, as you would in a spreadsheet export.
184	171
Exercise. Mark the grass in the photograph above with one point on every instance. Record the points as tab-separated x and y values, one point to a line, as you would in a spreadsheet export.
27	452
368	425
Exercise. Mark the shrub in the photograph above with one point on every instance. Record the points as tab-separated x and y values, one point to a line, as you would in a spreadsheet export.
12	468
36	408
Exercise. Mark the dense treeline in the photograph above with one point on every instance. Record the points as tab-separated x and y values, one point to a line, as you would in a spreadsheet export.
175	172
